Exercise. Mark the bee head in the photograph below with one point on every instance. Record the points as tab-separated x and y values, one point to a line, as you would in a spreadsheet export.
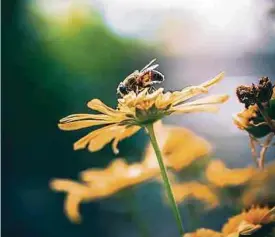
122	89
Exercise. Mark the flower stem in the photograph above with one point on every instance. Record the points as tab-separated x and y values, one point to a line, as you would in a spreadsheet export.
165	178
267	119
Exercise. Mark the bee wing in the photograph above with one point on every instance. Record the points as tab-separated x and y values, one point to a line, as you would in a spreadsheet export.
152	67
149	64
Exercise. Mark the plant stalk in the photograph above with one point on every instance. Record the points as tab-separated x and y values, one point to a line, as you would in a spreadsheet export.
167	185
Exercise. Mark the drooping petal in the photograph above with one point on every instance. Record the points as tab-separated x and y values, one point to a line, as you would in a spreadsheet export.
75	125
84	141
103	138
71	207
196	190
76	193
219	175
124	133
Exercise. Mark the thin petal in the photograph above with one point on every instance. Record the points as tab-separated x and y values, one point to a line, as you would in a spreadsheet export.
187	93
195	108
206	104
192	91
213	99
99	106
81	124
126	132
84	141
213	81
76	117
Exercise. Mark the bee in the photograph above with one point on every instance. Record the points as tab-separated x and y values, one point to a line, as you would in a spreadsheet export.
139	80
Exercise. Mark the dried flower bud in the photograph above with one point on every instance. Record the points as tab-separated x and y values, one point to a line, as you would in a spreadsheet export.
265	90
250	95
246	95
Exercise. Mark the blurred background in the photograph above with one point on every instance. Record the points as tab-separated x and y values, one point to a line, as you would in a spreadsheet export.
59	54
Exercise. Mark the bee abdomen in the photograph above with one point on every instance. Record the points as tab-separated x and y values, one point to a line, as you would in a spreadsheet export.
157	76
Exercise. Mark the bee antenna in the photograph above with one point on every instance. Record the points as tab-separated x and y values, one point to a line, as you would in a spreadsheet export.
149	64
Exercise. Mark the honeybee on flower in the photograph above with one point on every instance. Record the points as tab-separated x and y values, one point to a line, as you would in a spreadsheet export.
139	80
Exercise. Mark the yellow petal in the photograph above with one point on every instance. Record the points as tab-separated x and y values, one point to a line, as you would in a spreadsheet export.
195	108
192	91
213	99
69	126
187	93
76	193
204	233
77	117
213	81
104	138
196	190
84	141
218	174
99	106
123	133
71	207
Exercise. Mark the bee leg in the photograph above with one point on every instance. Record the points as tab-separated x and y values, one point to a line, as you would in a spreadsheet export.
151	89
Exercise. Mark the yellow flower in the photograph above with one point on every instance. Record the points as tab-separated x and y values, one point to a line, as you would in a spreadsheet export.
218	174
101	183
136	110
203	233
261	187
178	153
248	222
196	190
244	118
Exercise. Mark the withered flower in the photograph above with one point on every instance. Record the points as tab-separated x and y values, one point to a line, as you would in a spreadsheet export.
258	118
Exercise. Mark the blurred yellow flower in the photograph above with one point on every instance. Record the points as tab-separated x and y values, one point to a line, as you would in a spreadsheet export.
101	183
203	233
248	222
179	146
219	175
261	187
195	190
136	110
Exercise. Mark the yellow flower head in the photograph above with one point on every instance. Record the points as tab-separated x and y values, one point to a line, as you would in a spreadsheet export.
261	187
101	183
203	233
179	146
195	190
248	222
218	174
136	110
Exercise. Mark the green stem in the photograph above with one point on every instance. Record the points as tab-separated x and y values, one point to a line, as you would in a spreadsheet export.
267	119
165	178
